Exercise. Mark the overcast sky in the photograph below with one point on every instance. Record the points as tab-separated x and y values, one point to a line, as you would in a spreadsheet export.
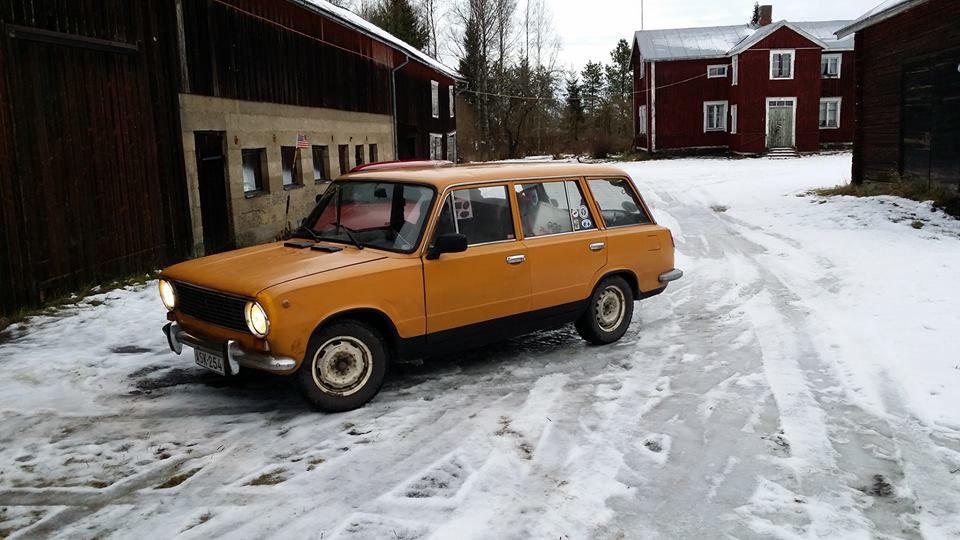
590	29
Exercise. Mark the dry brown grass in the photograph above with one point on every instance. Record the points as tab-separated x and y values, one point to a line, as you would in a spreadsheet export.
944	197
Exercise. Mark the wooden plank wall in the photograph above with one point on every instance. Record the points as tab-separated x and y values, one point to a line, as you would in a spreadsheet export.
884	51
278	52
91	169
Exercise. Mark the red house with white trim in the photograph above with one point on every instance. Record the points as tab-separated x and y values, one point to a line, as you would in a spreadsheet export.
744	88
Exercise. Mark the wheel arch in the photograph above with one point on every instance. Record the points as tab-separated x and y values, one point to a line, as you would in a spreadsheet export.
372	317
628	275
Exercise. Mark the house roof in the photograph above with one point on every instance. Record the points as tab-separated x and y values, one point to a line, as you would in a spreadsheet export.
722	41
358	23
882	12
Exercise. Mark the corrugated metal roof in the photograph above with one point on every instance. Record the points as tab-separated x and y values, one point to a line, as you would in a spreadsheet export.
880	13
718	41
690	43
357	22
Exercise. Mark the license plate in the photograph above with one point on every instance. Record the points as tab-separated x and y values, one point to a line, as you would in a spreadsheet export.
208	360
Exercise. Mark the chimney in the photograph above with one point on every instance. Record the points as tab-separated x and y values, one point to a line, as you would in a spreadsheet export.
766	15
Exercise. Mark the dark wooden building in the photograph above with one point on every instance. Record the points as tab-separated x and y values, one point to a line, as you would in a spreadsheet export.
907	117
135	134
743	88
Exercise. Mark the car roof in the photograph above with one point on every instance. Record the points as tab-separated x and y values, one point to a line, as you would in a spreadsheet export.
442	177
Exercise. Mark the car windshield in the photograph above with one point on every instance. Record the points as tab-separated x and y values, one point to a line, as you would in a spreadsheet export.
382	215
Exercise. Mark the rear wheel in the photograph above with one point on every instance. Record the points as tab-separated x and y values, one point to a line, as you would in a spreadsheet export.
608	316
344	367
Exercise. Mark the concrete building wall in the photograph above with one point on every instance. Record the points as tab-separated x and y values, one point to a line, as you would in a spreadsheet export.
262	217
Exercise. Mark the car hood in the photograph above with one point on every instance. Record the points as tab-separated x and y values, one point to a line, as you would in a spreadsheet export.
248	271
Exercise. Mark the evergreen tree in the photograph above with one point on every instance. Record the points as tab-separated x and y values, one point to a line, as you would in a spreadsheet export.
619	72
755	20
574	101
400	19
592	87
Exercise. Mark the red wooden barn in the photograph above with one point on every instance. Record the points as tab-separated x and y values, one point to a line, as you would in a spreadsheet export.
746	88
907	112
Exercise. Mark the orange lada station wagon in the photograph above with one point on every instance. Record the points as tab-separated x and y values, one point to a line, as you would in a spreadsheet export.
404	262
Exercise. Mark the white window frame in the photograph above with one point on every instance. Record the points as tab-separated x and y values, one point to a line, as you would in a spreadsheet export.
735	63
435	98
450	98
451	139
724	67
643	70
793	59
839	102
828	57
439	147
723	117
642	119
733	119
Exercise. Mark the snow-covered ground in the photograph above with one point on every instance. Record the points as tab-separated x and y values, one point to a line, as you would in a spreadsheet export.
801	381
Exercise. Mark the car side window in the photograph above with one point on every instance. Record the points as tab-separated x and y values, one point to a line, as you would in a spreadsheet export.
552	208
481	214
618	203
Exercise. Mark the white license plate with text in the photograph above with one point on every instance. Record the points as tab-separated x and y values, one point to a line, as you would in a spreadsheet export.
211	361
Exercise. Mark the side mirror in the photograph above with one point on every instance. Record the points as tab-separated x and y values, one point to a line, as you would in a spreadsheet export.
447	243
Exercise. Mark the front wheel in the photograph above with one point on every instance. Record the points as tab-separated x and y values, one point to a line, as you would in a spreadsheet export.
344	367
608	316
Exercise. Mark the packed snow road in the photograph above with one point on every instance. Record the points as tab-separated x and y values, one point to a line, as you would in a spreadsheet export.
799	382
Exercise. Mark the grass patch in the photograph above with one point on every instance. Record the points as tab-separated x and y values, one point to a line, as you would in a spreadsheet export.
944	197
52	306
719	208
917	224
178	479
268	479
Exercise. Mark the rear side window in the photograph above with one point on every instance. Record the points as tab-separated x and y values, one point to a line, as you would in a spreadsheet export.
618	204
481	214
552	208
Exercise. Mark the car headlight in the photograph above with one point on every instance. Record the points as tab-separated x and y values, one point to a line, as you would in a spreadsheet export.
257	320
168	295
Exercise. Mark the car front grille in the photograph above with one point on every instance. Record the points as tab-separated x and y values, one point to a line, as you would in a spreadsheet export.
212	307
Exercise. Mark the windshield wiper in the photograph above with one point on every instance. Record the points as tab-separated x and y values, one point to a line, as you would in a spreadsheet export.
308	230
350	232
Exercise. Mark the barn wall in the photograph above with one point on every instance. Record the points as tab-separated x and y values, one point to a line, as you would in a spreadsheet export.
883	52
415	121
91	174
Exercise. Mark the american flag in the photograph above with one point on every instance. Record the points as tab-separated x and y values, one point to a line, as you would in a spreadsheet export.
302	141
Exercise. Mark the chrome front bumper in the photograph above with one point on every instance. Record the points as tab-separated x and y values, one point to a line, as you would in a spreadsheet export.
236	357
672	275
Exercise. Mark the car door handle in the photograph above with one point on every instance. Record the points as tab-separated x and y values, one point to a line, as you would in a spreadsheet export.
597	246
516	259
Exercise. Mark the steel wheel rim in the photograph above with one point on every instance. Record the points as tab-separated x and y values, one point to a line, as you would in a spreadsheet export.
342	365
610	308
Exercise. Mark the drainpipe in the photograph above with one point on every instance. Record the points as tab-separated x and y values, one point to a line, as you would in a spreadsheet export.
396	126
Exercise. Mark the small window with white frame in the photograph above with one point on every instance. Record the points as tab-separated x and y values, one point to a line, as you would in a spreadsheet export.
436	146
830	113
714	116
735	65
642	120
716	72
830	66
435	98
641	71
450	100
781	63
733	119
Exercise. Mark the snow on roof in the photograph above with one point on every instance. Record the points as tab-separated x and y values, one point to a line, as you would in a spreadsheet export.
882	12
352	20
720	41
690	43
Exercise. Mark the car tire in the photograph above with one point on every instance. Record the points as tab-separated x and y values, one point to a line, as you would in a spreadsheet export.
344	367
609	313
